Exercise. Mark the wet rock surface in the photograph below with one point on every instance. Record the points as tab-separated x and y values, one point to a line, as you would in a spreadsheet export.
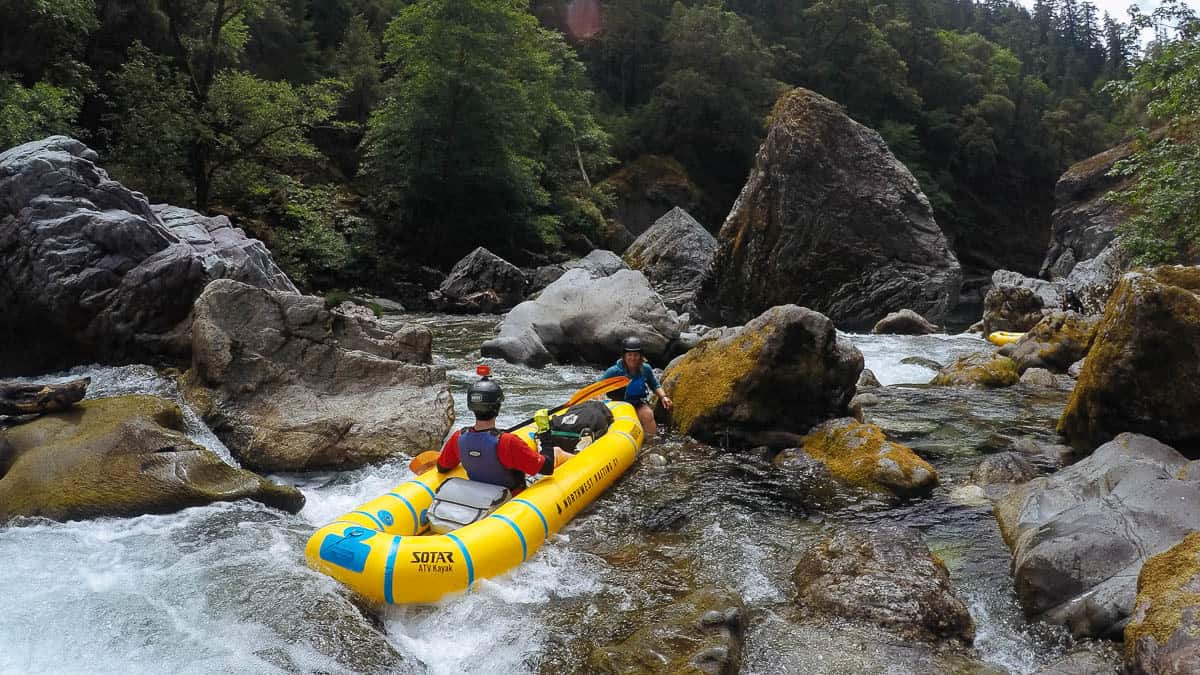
1080	537
582	318
674	255
1011	308
829	219
765	383
120	456
1005	467
1163	636
647	188
481	282
1143	371
90	272
289	385
886	577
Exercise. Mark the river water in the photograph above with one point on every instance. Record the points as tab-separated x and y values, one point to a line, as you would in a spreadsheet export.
224	588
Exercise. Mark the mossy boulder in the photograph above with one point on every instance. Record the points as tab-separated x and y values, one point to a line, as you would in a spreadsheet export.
119	456
1163	636
1011	308
860	454
1057	341
699	633
1142	373
886	577
784	371
981	369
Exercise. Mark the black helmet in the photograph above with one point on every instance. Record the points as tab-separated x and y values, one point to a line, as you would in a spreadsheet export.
484	396
631	344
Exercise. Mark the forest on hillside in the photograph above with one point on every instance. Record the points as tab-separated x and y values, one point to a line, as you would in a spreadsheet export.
360	138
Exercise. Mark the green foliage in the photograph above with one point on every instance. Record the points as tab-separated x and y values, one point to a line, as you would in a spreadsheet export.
311	238
1164	192
39	111
480	128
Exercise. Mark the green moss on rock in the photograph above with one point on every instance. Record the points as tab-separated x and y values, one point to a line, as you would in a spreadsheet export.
981	369
860	454
1168	604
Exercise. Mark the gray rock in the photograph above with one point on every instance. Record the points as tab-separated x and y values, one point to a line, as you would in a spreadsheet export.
1163	637
481	282
867	380
1091	282
1039	377
1011	308
831	220
289	386
886	577
1080	537
90	272
1006	467
597	264
579	317
904	322
1052	294
387	306
1076	368
1057	341
674	255
1081	662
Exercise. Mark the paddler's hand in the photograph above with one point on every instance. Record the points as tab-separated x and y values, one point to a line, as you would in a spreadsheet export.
667	403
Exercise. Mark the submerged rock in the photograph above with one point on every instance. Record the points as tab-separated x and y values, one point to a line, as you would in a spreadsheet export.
699	633
1057	341
867	380
1163	637
904	322
886	577
481	282
288	385
674	255
90	272
582	318
1005	467
1039	377
831	220
119	456
1080	536
784	371
1143	371
923	362
981	369
860	454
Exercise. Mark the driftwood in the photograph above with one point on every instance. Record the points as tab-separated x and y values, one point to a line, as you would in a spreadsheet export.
35	399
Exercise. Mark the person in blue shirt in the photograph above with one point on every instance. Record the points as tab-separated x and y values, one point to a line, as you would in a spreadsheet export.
632	364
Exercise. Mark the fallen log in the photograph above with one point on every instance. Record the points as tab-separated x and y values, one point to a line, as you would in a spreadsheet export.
35	399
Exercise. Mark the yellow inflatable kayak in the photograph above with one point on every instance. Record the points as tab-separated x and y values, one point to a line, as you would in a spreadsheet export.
1001	338
385	550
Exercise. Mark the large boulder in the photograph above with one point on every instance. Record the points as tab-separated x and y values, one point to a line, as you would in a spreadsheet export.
1057	341
119	456
646	188
1143	371
886	577
599	263
1163	637
1011	308
582	318
860	454
786	370
674	254
90	272
699	633
481	282
831	220
288	385
1080	536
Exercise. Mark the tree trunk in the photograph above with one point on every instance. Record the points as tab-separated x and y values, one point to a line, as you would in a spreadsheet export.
35	399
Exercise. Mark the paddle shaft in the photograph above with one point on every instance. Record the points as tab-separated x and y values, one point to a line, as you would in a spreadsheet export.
594	389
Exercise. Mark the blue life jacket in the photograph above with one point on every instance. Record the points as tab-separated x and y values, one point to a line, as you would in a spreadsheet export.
479	453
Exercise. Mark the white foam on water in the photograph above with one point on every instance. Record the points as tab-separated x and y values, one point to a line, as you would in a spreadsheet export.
883	353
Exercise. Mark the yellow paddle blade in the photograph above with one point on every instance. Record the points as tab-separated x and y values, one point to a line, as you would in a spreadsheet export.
598	388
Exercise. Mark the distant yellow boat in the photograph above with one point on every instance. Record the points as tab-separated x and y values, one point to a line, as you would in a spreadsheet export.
1001	338
384	549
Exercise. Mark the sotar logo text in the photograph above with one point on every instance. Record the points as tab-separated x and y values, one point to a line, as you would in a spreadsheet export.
433	557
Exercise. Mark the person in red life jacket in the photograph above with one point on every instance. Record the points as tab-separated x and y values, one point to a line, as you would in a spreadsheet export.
488	454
